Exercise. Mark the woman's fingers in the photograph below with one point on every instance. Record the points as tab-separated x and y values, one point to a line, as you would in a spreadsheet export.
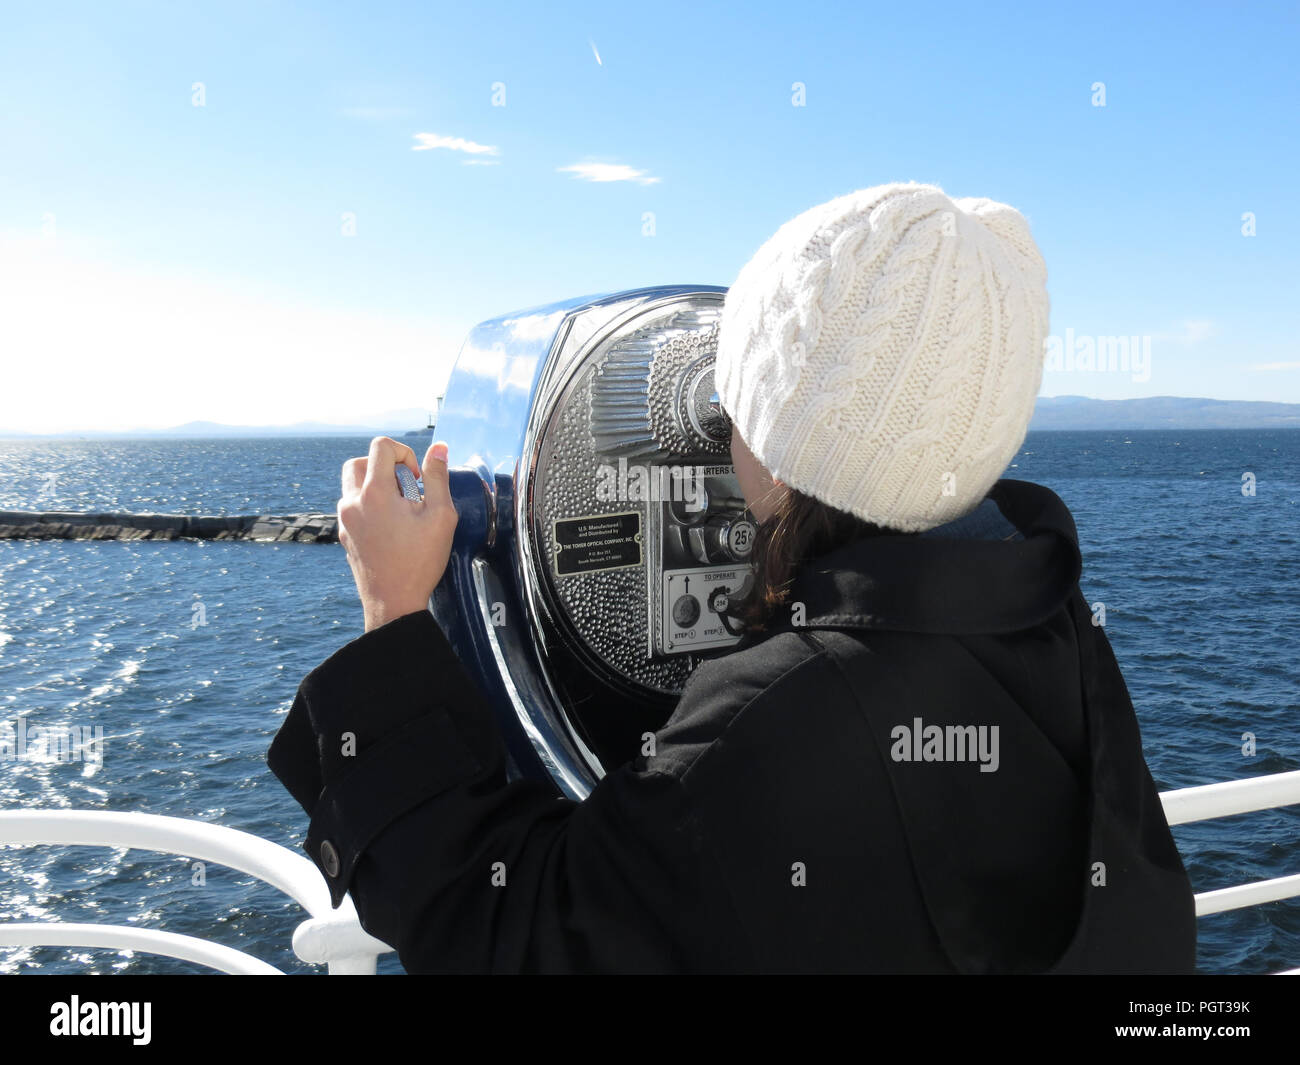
386	454
354	473
437	488
398	551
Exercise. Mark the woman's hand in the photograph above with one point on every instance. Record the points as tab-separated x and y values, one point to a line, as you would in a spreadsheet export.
397	549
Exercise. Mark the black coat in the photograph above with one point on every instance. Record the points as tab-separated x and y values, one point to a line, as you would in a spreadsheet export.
800	812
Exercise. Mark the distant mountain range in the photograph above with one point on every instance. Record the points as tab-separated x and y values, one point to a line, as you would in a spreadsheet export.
1162	412
1050	412
389	423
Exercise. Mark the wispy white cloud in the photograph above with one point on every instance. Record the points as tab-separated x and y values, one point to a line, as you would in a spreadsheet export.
429	141
599	62
1270	366
608	172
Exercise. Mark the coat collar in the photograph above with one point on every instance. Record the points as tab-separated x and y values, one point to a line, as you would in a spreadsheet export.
1008	565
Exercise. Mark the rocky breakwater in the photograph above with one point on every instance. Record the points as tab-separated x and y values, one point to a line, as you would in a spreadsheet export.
75	525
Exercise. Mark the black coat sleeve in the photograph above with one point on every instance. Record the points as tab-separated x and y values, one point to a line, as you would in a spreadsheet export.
394	754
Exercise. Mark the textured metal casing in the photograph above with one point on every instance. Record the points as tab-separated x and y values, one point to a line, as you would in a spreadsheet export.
496	604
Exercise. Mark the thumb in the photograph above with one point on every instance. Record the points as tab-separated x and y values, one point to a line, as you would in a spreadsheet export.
437	488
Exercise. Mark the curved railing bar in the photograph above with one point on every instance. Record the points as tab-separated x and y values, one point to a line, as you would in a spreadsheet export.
1240	896
124	937
335	937
278	866
1230	797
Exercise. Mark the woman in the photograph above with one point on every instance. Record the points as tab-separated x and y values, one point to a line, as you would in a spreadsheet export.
922	756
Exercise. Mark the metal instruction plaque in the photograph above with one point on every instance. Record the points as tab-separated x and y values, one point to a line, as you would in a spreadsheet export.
597	542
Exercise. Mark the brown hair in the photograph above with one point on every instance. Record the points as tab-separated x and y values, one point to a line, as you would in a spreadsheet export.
799	529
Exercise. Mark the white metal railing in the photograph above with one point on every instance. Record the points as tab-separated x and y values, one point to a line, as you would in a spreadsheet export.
329	937
335	937
1230	797
1225	799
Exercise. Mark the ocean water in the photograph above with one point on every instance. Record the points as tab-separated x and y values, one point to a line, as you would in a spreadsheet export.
187	654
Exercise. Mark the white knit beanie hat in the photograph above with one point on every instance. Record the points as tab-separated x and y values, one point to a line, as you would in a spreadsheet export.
882	352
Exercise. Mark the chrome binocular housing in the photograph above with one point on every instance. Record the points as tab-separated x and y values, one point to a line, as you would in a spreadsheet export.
601	528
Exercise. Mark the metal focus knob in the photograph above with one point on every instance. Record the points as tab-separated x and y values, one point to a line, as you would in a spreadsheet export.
722	539
737	538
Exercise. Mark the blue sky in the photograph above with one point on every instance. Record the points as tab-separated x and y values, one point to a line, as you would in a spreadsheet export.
161	261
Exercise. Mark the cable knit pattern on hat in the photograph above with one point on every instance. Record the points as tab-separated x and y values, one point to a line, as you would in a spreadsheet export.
882	352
